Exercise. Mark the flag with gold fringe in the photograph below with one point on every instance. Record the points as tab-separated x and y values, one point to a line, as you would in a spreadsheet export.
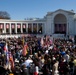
25	50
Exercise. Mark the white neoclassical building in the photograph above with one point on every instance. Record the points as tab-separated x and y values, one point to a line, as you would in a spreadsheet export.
56	23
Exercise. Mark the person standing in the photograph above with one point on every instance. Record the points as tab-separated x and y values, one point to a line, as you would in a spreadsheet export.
55	68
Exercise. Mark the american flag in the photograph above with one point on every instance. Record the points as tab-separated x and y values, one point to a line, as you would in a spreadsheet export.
9	57
6	53
6	48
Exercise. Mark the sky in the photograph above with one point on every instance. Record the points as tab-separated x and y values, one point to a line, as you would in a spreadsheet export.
21	9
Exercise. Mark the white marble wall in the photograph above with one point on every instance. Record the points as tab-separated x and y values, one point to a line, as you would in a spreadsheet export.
48	23
10	22
69	18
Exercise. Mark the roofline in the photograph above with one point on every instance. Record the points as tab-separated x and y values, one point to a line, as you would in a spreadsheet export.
4	20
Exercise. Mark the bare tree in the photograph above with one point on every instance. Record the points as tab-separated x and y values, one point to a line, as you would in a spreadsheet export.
4	15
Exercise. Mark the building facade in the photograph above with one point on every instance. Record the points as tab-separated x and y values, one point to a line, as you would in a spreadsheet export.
56	23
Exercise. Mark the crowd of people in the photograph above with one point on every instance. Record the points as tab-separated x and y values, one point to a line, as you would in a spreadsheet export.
37	56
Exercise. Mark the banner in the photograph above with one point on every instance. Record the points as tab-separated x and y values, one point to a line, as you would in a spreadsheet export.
13	26
18	25
24	25
1	26
7	26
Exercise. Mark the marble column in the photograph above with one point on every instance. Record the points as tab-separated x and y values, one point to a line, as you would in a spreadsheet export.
16	28
10	28
32	27
26	27
5	28
21	28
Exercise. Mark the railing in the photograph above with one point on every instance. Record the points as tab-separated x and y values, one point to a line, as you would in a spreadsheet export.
19	35
59	35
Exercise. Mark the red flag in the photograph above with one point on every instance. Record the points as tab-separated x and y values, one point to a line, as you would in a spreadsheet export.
25	48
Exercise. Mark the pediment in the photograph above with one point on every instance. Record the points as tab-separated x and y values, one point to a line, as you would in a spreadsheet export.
67	11
61	10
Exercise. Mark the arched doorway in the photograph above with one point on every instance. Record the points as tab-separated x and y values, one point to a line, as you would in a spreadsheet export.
60	24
